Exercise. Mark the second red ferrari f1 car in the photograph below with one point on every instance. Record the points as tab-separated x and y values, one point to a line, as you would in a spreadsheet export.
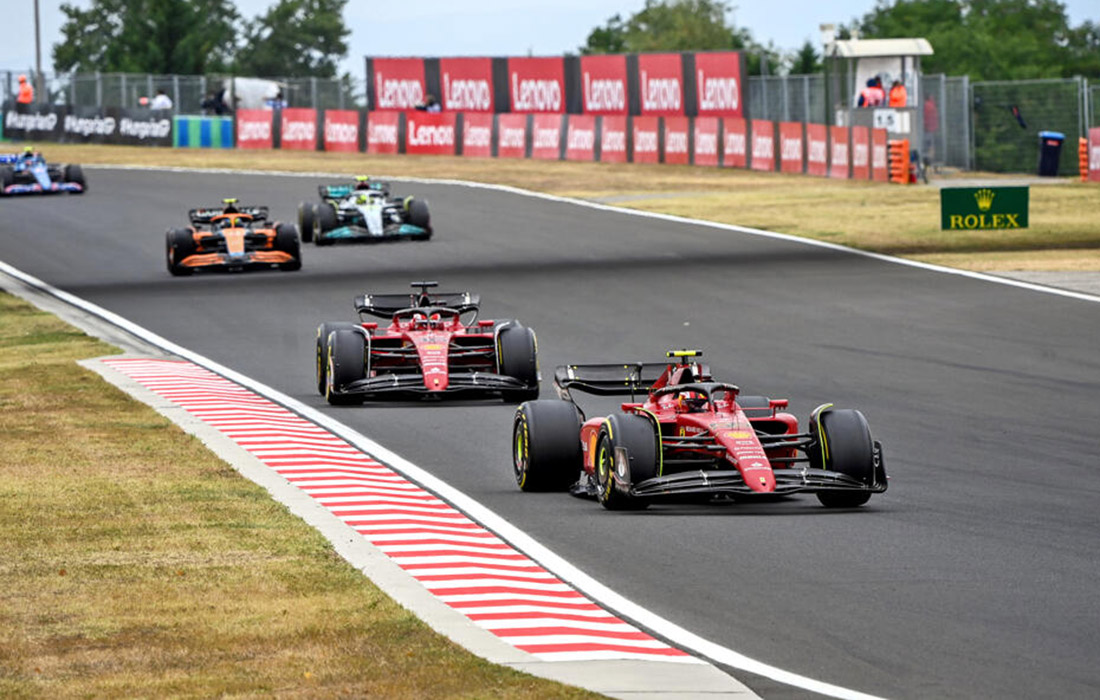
433	346
691	437
232	238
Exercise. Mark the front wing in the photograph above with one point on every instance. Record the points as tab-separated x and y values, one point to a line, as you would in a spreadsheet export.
35	188
395	386
228	261
360	234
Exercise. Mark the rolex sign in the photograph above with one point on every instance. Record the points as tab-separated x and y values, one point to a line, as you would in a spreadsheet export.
983	208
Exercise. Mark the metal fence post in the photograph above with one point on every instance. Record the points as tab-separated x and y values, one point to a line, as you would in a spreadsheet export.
98	89
149	83
122	87
313	90
176	92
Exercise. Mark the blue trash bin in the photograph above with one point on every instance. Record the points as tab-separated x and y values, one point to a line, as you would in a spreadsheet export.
1050	151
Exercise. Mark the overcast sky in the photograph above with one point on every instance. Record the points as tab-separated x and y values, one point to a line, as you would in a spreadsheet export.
485	27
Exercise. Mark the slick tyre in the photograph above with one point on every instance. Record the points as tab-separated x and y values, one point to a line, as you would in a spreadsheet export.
74	173
179	245
637	435
287	240
321	359
347	352
305	220
419	216
7	176
517	357
845	446
324	221
546	445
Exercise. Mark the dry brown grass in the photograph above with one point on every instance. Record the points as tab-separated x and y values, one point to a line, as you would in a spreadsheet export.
885	218
136	563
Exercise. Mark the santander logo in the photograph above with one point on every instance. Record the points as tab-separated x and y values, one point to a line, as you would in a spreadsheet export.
341	133
299	131
397	93
382	133
255	130
430	134
473	95
480	136
735	143
660	94
533	95
718	94
604	95
791	149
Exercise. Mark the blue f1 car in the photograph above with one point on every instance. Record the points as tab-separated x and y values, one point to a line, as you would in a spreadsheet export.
29	173
364	212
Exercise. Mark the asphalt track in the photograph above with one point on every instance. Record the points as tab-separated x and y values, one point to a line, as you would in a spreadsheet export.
973	576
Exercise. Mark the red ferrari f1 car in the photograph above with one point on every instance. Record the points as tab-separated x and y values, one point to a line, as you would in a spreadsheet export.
434	346
232	238
691	437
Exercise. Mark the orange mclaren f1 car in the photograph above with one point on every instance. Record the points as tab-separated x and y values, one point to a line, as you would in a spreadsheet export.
232	238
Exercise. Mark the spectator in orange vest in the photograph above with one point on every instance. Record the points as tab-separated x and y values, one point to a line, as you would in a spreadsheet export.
873	95
26	92
899	97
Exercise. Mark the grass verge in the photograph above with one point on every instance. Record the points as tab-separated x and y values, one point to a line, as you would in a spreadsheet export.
137	563
884	218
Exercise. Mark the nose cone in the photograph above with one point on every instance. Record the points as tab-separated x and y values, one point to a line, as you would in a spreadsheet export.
743	450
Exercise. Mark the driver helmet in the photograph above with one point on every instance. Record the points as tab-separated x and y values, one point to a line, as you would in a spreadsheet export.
28	151
362	182
230	205
691	402
362	199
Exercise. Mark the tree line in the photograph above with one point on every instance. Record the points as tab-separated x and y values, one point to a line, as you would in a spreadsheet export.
985	39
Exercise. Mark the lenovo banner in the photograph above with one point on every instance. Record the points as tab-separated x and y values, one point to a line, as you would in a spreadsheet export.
880	170
511	136
735	142
430	133
467	84
676	140
661	84
817	149
646	141
580	137
861	153
613	139
546	136
705	142
790	147
299	130
254	128
342	130
477	135
395	83
603	84
718	84
537	84
838	152
763	145
382	128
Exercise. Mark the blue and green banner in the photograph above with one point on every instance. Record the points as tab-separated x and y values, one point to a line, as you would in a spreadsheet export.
200	131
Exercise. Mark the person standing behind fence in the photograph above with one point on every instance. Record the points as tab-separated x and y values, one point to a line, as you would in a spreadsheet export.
899	96
161	101
873	95
26	92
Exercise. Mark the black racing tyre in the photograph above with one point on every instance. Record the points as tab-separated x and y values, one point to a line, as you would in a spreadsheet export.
287	240
347	352
546	445
306	213
755	406
74	173
324	220
845	446
517	357
321	359
418	214
7	176
637	435
179	244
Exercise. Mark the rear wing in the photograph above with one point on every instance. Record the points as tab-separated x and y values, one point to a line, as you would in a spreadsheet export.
343	190
609	379
205	215
386	305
